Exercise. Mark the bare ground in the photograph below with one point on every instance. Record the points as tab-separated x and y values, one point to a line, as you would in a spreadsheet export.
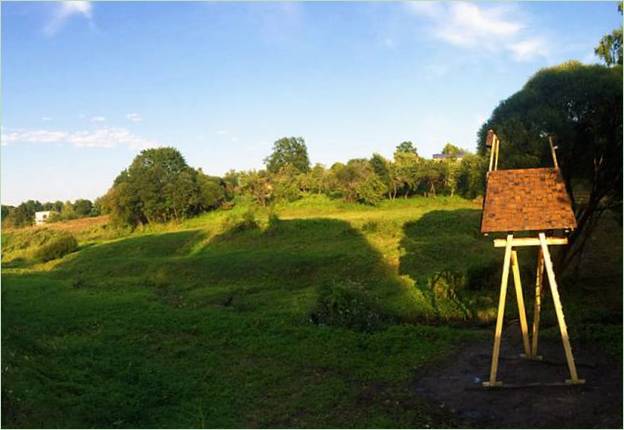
455	386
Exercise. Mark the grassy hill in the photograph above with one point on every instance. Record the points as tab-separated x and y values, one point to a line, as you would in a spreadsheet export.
312	314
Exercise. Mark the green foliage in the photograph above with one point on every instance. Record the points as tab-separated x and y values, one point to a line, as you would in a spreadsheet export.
406	147
158	187
286	183
5	211
257	184
57	247
83	207
212	191
471	176
142	329
450	149
288	151
23	215
317	180
610	46
357	182
406	172
582	107
371	190
348	307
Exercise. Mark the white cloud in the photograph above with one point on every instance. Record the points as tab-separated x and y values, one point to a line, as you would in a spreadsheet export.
46	118
64	11
100	138
495	29
134	117
97	119
528	49
222	132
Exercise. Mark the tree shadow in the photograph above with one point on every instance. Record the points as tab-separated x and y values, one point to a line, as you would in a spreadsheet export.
278	268
450	261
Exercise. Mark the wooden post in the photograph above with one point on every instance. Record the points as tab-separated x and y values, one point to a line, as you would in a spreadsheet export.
501	312
496	144
520	299
492	149
574	379
537	307
553	152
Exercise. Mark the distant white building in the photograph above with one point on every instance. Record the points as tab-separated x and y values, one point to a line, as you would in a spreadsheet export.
458	156
41	217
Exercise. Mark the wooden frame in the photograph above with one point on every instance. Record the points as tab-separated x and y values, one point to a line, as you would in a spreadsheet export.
530	343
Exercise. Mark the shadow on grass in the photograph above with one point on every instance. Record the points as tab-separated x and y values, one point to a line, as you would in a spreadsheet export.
451	263
282	268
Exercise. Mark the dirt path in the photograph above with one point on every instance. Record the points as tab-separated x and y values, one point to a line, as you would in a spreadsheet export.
454	386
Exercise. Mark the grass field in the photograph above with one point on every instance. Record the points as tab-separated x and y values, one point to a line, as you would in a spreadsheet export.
311	314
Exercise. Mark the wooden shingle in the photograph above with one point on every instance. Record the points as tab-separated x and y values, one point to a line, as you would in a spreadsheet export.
526	200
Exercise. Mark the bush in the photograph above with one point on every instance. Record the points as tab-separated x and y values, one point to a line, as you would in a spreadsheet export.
57	247
345	306
235	223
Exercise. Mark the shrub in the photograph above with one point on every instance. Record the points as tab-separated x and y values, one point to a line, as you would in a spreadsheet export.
235	223
57	247
345	306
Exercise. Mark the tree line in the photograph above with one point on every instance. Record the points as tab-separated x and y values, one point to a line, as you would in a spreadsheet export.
24	214
159	185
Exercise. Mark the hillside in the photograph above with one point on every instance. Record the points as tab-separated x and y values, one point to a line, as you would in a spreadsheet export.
314	314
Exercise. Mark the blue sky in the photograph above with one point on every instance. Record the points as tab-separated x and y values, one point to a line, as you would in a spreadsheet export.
86	86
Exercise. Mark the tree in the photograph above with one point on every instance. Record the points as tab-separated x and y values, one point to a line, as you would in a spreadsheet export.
356	181
452	150
582	106
212	191
406	147
406	172
257	185
286	183
6	209
610	46
83	208
24	214
288	150
316	180
471	176
157	187
68	211
432	176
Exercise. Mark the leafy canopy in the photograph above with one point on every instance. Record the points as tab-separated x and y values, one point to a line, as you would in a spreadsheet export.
288	151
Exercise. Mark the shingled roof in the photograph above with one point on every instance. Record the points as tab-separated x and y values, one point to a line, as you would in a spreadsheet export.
526	200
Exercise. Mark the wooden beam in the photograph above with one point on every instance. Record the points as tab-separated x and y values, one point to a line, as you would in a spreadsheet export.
537	305
553	152
497	144
574	379
501	313
515	268
530	241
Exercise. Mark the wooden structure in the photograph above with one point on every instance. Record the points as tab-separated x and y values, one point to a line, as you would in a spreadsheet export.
535	201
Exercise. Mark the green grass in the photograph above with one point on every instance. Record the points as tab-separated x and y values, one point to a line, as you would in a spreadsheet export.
216	322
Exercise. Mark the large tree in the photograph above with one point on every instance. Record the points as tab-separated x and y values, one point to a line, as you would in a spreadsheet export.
159	186
582	107
288	151
406	147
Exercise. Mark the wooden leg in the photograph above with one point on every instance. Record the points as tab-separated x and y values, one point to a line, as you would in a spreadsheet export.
520	299
574	379
501	312
537	307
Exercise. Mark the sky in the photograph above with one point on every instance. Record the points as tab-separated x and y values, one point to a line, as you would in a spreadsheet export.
87	85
